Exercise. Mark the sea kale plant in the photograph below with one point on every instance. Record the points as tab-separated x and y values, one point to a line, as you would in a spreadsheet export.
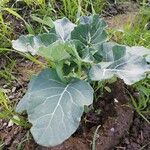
78	54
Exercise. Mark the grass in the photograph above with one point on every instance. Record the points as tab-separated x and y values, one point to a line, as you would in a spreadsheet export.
142	104
95	138
7	71
1	145
27	137
5	32
137	32
8	112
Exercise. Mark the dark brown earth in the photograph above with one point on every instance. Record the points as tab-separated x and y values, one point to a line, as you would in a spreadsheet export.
120	127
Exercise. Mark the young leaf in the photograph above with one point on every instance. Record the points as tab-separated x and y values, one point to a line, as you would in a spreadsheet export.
90	32
56	51
54	108
63	28
84	52
30	43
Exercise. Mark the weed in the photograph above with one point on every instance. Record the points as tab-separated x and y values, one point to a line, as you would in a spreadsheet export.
7	72
142	104
1	145
8	111
5	32
141	100
95	138
136	33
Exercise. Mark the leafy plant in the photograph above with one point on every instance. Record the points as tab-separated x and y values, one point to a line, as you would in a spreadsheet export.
79	54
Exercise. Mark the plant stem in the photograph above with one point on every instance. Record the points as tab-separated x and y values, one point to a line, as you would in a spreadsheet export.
59	70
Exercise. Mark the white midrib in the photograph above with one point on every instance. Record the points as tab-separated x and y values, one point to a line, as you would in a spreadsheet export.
52	114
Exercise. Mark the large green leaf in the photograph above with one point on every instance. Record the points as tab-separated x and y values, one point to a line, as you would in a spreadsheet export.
54	108
63	28
56	51
131	68
90	32
31	43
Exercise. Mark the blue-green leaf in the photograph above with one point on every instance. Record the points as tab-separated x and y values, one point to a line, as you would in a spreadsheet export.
56	51
140	51
63	28
30	43
54	107
131	68
83	51
111	51
90	32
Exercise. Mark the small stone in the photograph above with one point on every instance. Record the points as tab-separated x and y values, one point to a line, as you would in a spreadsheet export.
112	129
5	124
115	100
15	132
13	89
11	97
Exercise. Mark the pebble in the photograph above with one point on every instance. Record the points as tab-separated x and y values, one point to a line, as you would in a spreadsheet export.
112	129
5	86
13	89
5	124
16	132
115	100
11	97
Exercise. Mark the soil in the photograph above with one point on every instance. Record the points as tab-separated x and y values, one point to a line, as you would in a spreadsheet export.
120	128
119	8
